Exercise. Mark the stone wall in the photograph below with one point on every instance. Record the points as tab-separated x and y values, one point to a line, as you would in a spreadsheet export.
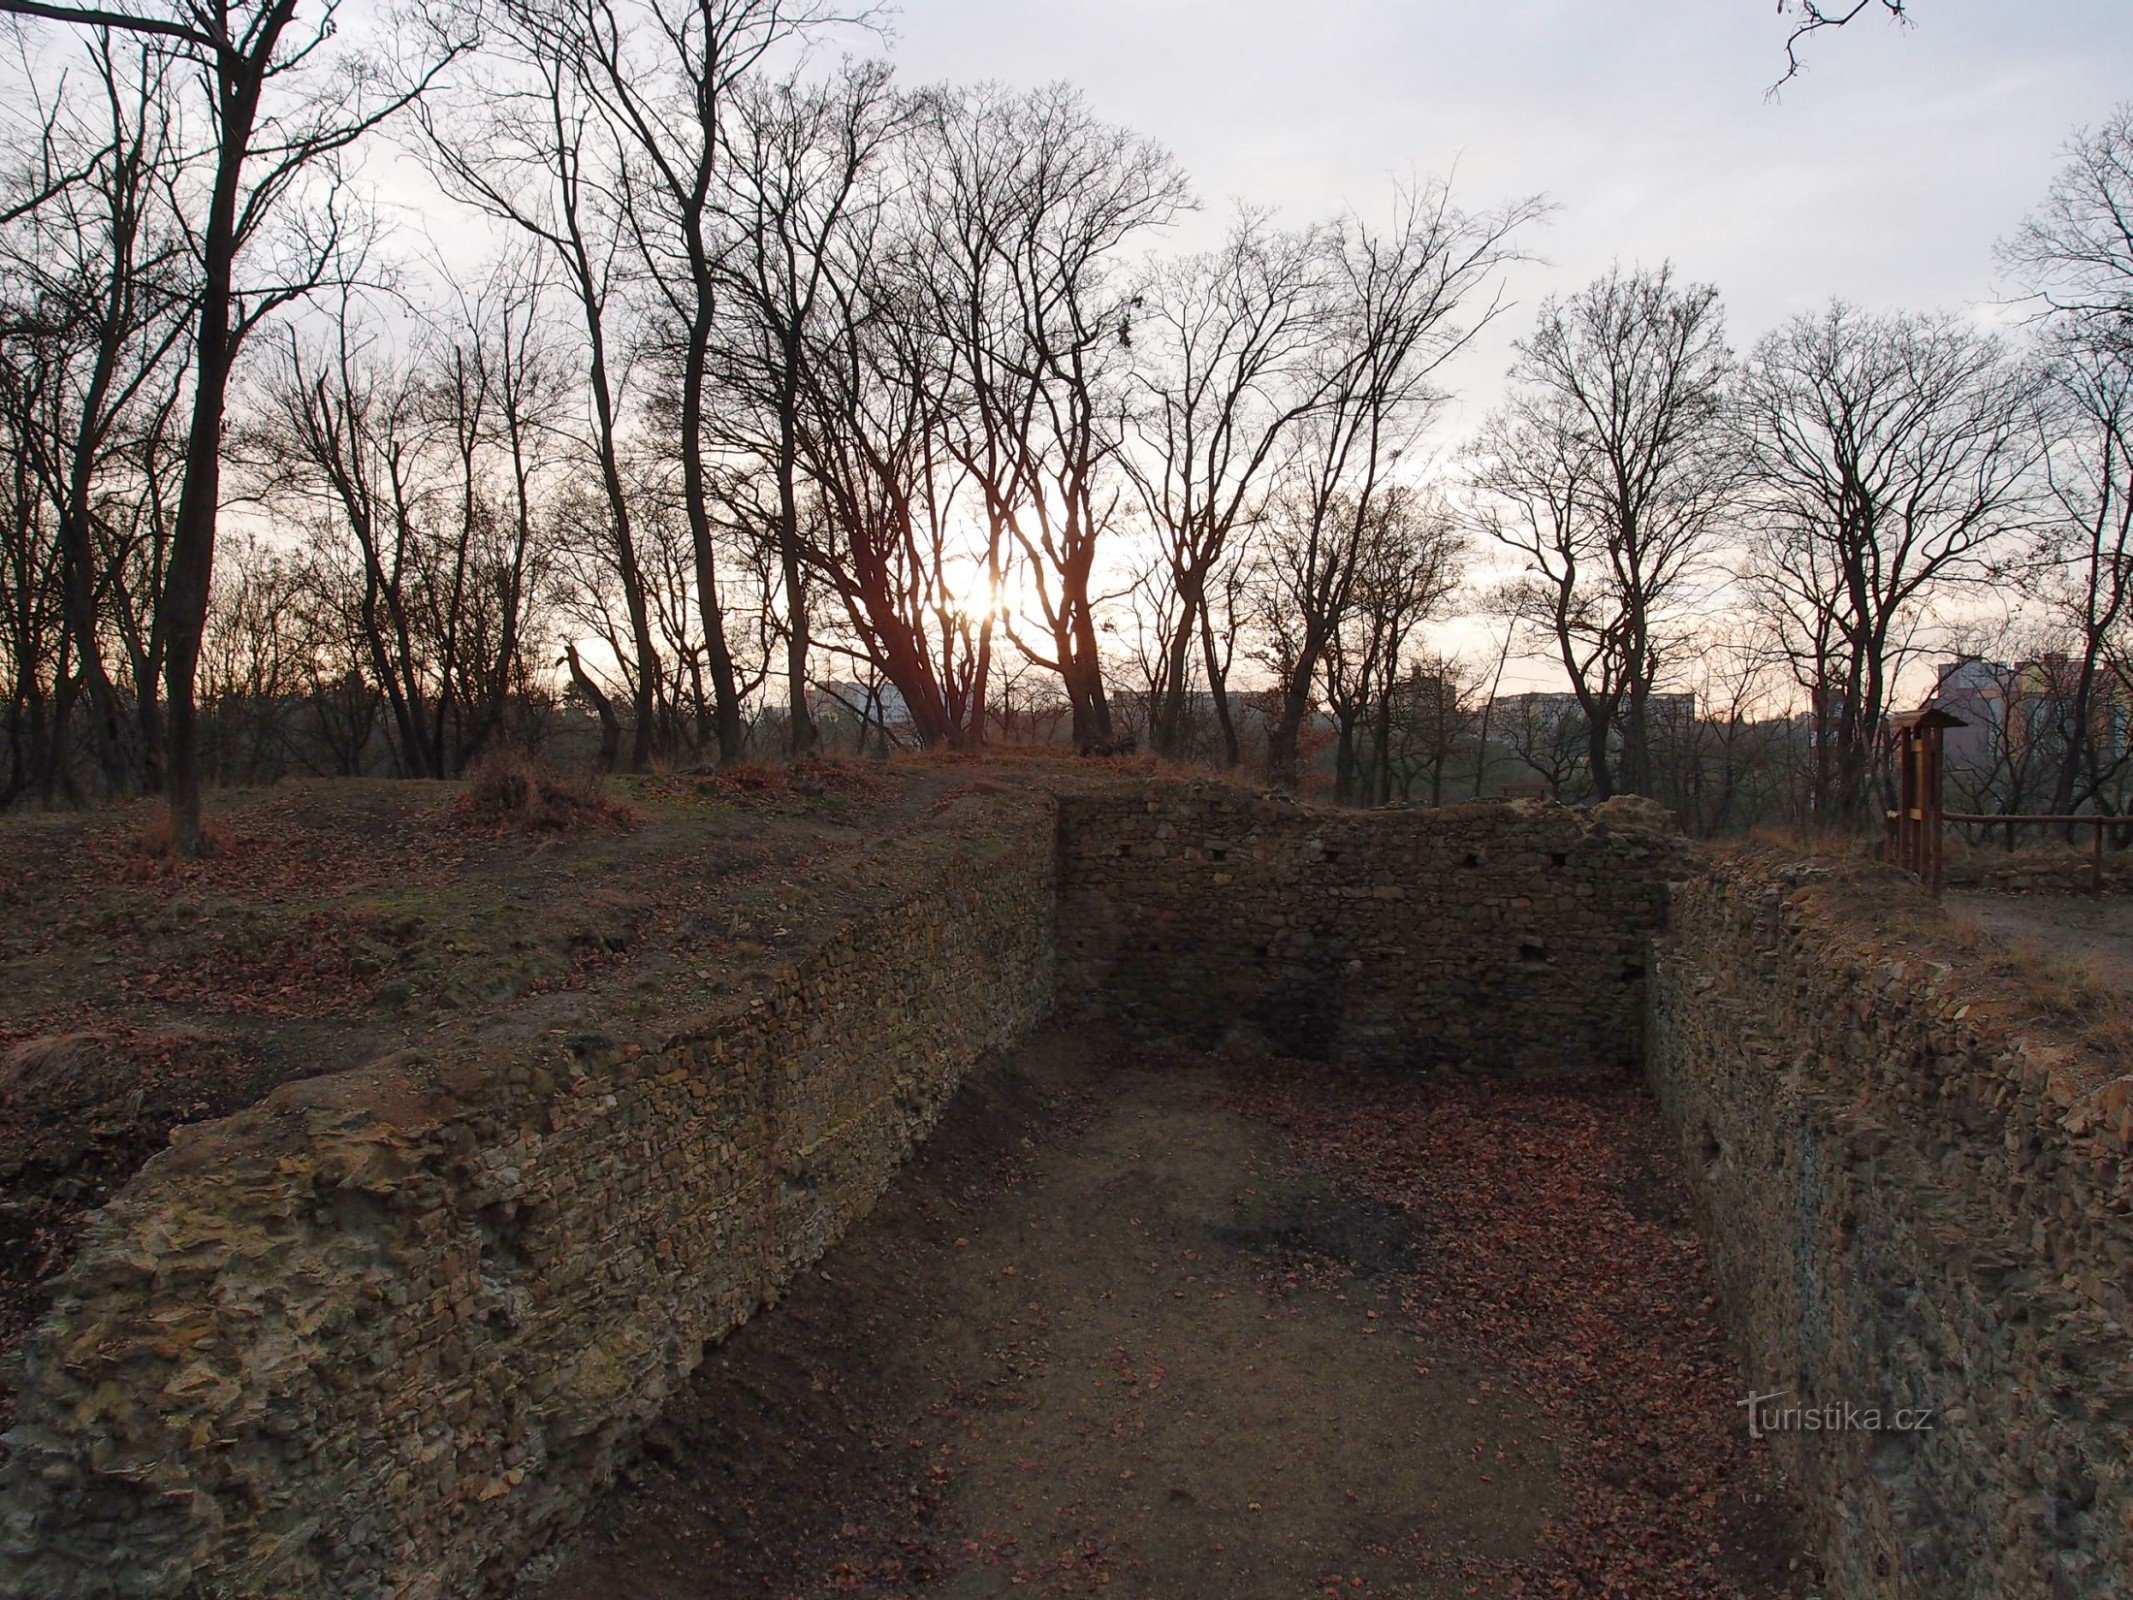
1916	1197
385	1333
1495	937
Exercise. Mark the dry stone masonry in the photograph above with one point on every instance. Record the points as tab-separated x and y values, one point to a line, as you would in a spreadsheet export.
385	1333
1912	1209
1491	937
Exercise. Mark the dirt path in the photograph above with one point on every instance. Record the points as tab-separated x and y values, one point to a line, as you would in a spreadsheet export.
1108	1334
2096	935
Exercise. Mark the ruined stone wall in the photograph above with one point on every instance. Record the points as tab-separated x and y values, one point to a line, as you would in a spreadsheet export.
1495	937
385	1333
1915	1198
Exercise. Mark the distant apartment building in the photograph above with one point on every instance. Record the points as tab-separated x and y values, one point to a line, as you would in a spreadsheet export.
1544	712
2013	712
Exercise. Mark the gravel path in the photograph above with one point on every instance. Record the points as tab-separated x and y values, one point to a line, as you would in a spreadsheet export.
2093	934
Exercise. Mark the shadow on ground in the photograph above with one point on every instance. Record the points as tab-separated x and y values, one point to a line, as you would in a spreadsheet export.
1111	1332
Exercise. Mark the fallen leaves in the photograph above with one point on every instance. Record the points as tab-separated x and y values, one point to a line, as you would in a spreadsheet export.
1561	1251
798	786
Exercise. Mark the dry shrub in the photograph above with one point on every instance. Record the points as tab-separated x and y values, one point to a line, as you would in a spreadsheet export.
157	842
1821	843
513	788
785	785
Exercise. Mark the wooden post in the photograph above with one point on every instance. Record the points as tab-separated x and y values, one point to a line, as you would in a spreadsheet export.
1919	847
1934	837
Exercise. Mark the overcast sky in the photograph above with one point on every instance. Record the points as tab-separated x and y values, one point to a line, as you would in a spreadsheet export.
1884	173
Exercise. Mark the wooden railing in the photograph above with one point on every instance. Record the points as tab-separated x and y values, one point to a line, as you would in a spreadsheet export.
1914	841
2085	819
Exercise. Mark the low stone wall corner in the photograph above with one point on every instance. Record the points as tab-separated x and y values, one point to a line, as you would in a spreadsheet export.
387	1333
1914	1212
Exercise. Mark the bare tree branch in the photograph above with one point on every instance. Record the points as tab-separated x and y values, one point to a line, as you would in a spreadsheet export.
125	21
1814	17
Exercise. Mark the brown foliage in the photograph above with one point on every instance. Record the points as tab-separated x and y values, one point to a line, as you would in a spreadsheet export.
512	788
1561	1252
157	840
778	785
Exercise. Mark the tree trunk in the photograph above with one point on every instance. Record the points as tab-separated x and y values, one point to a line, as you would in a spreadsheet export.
77	560
603	708
800	721
1283	755
1169	734
1347	779
1596	755
1383	738
696	502
1218	693
182	610
1636	735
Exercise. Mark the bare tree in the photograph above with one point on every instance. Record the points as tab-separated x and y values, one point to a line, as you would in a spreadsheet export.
1887	456
1029	200
253	663
1719	744
1547	734
1409	565
1812	16
33	617
526	143
1435	712
1227	338
875	437
2075	254
2083	563
421	468
278	104
1608	475
666	74
96	268
803	162
1395	302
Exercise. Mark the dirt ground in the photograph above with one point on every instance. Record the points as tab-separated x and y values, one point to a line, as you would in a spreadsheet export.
2095	935
1147	1325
